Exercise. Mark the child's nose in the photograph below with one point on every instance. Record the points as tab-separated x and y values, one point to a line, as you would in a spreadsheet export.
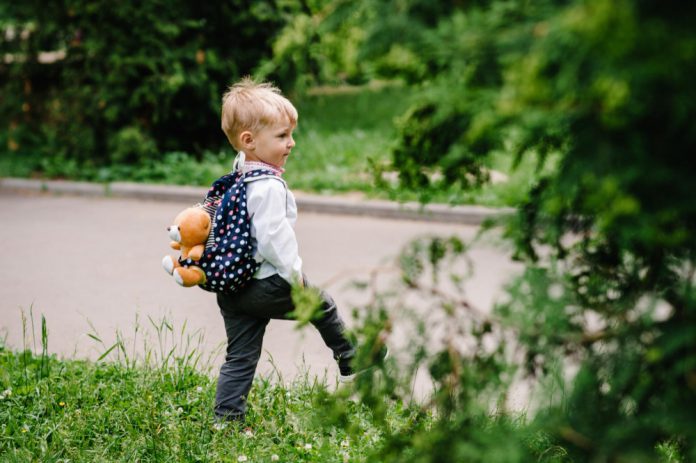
291	142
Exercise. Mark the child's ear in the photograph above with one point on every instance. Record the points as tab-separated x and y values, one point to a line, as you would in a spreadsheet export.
247	139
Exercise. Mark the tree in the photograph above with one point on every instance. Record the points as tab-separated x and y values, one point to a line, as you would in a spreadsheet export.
608	239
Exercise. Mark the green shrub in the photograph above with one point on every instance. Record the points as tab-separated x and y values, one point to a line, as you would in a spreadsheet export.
131	146
144	75
606	308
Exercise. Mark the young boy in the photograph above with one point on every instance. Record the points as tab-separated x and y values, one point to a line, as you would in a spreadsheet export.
259	123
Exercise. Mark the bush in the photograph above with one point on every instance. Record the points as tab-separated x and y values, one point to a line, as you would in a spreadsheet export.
131	146
146	76
606	308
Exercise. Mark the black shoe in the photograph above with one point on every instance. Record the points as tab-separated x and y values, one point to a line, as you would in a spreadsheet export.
346	372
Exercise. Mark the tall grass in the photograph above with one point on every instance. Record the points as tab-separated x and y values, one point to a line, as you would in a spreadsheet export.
155	404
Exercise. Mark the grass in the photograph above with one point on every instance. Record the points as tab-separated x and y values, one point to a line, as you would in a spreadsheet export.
341	135
158	407
82	411
155	404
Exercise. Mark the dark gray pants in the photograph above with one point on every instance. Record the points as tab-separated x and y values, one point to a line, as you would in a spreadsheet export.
246	314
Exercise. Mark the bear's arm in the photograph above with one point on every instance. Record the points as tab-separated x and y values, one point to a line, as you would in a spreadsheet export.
175	245
196	252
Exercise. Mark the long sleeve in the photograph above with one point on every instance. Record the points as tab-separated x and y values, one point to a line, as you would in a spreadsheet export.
273	212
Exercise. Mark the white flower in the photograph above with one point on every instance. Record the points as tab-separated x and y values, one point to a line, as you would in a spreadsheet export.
199	389
249	433
7	393
346	457
180	410
308	446
219	426
242	458
275	457
345	443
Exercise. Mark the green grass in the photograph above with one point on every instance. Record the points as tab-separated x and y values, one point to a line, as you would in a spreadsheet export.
150	397
155	405
339	134
82	411
342	134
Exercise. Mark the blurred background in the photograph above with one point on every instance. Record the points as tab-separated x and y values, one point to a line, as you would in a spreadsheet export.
99	91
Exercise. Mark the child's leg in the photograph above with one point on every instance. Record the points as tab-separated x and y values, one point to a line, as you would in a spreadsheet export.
244	342
332	329
246	315
271	298
278	303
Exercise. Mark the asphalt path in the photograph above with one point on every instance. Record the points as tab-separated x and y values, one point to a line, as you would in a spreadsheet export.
91	267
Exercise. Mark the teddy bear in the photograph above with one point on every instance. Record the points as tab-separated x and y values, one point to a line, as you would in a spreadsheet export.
189	235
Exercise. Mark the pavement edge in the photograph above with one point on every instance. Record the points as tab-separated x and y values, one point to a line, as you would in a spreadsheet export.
306	202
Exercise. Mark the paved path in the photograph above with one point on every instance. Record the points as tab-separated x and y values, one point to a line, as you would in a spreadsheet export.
93	265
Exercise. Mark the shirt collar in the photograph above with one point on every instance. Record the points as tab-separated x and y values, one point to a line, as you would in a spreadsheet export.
258	165
241	164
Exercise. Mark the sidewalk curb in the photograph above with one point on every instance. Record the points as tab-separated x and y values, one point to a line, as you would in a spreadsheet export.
306	202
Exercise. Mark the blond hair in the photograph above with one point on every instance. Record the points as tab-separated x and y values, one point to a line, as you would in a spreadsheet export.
250	105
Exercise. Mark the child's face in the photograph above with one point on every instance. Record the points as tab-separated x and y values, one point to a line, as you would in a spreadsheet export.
272	144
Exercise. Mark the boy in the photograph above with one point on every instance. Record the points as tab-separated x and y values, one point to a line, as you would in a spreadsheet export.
259	122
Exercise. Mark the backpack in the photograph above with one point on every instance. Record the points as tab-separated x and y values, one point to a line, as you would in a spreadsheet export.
228	260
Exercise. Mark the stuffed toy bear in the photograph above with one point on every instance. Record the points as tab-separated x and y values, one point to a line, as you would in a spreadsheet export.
189	235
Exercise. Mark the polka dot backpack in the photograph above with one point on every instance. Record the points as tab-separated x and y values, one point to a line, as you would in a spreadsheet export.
228	260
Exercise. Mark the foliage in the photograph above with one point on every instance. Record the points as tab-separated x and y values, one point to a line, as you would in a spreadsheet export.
452	57
463	416
128	80
310	51
330	42
606	308
340	133
598	83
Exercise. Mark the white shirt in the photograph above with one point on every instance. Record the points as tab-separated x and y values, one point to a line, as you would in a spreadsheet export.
273	213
